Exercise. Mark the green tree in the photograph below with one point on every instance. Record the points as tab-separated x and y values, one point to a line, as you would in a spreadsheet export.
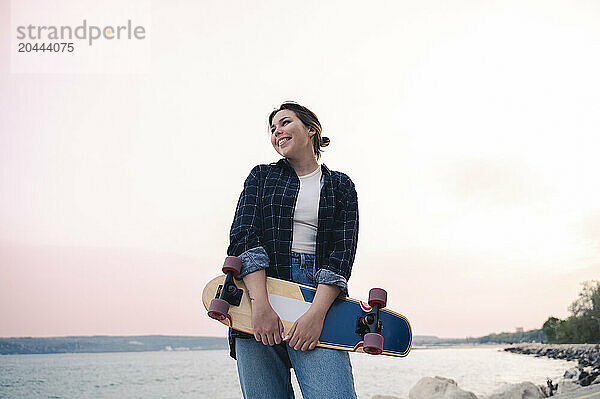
588	302
549	329
583	326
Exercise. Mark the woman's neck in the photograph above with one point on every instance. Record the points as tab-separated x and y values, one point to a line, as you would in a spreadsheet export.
304	166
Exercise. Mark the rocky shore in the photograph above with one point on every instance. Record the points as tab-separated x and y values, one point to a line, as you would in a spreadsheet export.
582	381
586	372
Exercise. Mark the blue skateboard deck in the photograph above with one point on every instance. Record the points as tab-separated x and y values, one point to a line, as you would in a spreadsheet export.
291	300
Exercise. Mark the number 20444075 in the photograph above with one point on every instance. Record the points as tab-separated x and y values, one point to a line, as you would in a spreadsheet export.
46	47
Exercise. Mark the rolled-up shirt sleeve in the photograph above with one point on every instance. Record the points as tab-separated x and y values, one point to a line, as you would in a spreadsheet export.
325	276
344	240
252	260
245	236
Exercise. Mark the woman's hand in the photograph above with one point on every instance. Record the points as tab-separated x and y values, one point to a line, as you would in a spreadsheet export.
305	332
267	325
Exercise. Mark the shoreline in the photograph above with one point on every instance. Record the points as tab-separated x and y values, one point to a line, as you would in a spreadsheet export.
580	381
458	346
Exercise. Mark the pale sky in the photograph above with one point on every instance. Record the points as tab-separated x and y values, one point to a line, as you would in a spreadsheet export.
470	129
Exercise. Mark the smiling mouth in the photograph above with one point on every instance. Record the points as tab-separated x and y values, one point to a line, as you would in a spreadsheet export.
282	141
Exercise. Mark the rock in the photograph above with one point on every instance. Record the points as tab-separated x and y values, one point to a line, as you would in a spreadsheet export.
584	378
565	386
524	390
572	373
589	378
384	397
587	356
438	388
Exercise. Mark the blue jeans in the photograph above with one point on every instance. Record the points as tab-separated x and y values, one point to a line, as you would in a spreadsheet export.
264	370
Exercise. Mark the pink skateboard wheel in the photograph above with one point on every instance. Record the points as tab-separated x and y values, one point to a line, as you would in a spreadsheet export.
233	264
218	309
373	343
378	296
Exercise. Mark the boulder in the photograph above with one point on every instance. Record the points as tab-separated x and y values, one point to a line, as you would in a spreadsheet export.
572	373
438	388
524	390
589	378
565	386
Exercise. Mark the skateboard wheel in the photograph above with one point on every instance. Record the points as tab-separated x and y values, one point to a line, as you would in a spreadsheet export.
218	309
373	343
378	296
233	264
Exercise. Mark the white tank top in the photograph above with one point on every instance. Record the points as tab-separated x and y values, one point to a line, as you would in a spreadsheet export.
306	213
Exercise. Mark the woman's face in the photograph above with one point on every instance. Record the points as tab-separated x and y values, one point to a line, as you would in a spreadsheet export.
290	137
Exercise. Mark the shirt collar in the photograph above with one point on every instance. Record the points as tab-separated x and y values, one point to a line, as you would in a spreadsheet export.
285	163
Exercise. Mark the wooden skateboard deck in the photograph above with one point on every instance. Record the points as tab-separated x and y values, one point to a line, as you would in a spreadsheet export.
291	300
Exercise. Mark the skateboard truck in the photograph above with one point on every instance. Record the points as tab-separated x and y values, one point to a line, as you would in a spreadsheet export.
228	293
232	294
369	325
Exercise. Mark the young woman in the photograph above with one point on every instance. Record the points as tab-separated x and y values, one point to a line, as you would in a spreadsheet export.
295	220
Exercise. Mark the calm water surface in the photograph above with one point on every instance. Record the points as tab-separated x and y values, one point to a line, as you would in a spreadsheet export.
212	374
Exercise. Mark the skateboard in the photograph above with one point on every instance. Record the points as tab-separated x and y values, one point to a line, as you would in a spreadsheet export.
350	324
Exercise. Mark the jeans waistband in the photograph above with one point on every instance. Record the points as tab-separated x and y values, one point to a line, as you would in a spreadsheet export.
297	255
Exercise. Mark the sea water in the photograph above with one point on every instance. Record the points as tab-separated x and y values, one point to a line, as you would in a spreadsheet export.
212	374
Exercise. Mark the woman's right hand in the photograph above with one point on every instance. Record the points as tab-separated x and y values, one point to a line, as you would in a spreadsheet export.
268	327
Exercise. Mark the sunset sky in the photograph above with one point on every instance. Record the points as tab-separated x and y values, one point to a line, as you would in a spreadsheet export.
470	128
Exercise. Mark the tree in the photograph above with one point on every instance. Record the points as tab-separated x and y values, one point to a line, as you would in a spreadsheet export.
588	302
586	310
583	326
549	329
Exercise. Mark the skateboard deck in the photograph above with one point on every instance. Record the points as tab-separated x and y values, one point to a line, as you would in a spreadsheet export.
290	300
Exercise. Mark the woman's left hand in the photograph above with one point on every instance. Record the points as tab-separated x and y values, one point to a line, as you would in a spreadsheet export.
305	332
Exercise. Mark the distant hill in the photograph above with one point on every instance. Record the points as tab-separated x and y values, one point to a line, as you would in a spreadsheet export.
144	343
95	344
429	340
501	338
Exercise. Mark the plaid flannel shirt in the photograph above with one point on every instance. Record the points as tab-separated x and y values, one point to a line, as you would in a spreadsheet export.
261	233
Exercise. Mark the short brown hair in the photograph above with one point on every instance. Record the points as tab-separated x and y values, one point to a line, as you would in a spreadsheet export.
309	119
